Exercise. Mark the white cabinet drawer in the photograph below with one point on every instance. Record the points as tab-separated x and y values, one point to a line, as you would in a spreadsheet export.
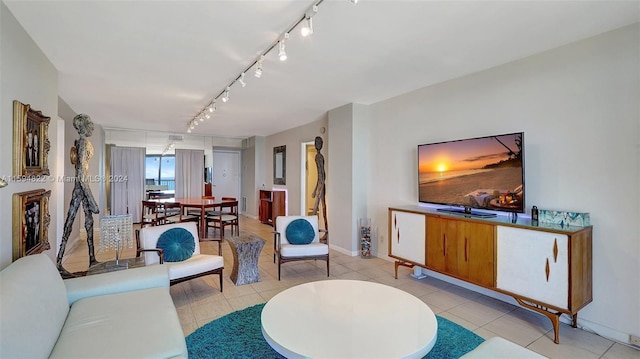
534	264
408	236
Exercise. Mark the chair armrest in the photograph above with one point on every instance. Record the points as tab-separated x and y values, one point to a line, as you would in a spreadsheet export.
276	241
324	236
160	252
127	280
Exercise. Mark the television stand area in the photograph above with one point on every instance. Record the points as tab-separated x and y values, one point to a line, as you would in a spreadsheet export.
545	267
466	211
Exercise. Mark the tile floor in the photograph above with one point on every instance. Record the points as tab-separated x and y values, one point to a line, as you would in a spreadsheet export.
199	301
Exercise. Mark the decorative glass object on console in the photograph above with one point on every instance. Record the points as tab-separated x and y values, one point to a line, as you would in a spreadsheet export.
116	232
564	218
365	237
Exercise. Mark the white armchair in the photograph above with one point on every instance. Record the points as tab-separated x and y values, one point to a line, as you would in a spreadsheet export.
298	238
171	244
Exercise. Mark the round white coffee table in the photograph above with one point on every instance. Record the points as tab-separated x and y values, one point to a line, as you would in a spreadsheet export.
348	319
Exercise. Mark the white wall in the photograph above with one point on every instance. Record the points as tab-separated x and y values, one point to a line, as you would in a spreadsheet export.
578	106
26	75
292	138
252	173
348	174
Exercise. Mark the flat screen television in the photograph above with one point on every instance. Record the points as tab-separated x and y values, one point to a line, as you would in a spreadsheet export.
475	173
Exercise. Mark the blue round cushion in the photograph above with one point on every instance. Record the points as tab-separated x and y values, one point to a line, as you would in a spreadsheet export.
300	231
177	244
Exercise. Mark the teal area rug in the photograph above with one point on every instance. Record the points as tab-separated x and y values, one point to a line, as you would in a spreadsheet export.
238	335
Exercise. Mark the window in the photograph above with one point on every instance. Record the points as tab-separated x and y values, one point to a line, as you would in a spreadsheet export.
161	170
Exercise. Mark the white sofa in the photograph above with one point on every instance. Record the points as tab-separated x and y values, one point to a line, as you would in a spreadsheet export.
123	314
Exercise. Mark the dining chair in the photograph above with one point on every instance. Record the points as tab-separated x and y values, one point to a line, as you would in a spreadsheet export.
174	213
225	210
226	216
197	212
152	214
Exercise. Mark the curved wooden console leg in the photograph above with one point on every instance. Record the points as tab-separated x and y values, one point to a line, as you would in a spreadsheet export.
404	264
554	317
575	321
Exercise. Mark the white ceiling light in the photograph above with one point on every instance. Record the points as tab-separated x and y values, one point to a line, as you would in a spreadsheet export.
258	72
242	80
307	29
307	24
225	98
282	54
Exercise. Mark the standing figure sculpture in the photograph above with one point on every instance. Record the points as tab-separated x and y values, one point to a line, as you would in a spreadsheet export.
81	154
318	192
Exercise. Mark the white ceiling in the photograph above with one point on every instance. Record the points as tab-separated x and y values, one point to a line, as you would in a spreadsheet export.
156	64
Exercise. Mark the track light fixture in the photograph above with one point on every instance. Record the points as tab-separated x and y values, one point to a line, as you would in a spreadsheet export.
282	54
307	29
258	72
225	98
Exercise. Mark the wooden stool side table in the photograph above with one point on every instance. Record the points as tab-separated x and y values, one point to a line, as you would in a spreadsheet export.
246	251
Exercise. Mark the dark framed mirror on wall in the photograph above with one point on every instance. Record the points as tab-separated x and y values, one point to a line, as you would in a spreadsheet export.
279	165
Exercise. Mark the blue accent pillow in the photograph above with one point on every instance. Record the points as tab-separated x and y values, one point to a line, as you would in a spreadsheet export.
177	244
300	231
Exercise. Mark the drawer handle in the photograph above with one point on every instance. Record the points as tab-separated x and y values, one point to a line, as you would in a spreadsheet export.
555	250
547	269
466	246
444	245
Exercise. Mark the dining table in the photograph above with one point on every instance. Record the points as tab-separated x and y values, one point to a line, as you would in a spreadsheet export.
204	204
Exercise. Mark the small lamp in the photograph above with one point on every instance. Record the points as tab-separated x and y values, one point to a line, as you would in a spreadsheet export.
116	233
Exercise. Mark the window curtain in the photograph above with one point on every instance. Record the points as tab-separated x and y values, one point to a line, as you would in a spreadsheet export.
189	173
127	186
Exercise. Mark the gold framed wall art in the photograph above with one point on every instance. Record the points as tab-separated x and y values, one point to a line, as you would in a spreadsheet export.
30	141
31	221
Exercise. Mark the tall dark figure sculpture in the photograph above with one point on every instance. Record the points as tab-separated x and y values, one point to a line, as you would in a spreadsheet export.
81	154
318	192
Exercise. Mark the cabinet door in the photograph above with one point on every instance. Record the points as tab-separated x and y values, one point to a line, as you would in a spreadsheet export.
534	264
442	245
475	252
408	235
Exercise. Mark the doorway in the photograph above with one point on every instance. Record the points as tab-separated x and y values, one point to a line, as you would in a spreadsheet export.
309	177
226	174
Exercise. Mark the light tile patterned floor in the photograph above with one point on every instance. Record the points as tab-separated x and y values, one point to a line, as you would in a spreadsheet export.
200	301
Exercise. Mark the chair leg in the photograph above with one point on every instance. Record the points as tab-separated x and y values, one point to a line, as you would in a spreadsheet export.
279	263
327	267
220	282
